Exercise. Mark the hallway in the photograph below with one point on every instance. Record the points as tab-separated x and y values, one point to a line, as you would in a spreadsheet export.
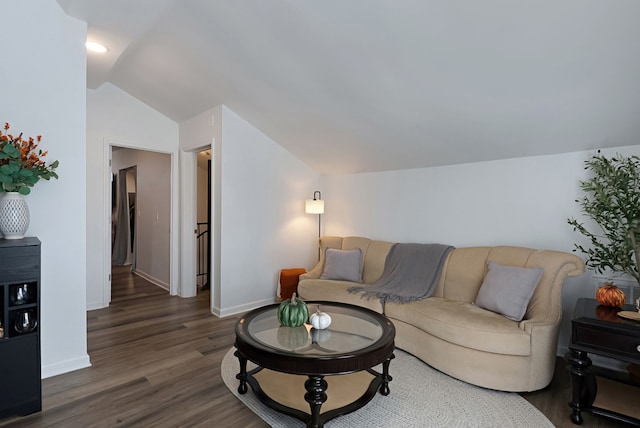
155	362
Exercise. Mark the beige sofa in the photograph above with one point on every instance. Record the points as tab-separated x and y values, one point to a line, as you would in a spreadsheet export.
447	330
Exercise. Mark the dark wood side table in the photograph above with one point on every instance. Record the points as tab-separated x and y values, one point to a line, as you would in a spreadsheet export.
597	329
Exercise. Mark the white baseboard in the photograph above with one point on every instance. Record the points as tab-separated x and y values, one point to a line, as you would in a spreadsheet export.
65	366
225	312
151	279
92	306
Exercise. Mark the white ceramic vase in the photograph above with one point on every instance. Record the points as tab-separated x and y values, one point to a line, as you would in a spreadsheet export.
14	215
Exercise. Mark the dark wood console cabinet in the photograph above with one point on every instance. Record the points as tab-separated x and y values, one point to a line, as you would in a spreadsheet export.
21	391
597	329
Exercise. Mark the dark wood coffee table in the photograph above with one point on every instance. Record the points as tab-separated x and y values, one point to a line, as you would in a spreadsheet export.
358	339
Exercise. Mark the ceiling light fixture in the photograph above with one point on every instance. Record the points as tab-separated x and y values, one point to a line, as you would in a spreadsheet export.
96	47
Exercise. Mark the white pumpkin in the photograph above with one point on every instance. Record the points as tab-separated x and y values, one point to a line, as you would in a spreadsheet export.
320	320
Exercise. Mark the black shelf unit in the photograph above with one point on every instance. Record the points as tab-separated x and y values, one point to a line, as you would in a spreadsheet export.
20	375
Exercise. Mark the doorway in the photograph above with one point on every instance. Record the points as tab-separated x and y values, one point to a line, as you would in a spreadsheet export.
141	219
203	219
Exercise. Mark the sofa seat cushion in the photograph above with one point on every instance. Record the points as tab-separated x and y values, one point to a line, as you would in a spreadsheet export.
463	324
335	291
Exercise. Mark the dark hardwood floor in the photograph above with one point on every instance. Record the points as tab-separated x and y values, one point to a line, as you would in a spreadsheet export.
156	363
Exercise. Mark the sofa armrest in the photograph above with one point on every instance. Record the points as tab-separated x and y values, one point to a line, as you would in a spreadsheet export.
529	325
545	306
313	273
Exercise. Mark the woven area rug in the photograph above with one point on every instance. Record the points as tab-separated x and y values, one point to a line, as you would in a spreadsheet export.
420	397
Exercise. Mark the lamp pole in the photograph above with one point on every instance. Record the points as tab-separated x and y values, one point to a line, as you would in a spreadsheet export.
316	206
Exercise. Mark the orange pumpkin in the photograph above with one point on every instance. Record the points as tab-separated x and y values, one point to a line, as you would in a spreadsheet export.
610	295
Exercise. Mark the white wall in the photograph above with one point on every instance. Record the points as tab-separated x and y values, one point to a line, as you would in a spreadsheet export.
43	92
153	211
252	243
197	133
524	202
263	227
259	224
115	117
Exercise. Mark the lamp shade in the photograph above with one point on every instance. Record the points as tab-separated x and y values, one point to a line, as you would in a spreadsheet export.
314	206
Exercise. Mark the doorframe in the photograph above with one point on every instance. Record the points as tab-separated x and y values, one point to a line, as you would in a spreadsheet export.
174	242
188	188
188	159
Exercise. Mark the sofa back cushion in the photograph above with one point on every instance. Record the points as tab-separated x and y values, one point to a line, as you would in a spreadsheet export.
462	274
375	259
374	256
466	268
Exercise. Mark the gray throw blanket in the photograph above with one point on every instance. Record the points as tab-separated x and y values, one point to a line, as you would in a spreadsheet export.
411	272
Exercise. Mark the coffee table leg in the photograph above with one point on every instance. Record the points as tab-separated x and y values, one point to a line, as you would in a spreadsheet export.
315	396
242	376
384	388
578	366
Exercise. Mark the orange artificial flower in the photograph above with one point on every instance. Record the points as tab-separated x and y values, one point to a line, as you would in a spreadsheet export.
21	163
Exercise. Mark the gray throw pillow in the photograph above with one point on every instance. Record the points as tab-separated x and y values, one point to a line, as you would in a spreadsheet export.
507	290
342	265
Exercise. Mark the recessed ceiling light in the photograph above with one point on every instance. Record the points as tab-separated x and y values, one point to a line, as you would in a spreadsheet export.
96	47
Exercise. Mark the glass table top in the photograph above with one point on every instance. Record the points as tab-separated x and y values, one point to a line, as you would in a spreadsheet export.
351	329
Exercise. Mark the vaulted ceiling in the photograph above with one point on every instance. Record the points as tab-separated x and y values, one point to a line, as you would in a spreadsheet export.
373	85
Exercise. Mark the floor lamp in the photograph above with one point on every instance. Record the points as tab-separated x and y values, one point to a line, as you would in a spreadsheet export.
315	206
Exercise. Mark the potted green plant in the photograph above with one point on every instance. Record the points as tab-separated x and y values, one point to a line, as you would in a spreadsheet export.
612	201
